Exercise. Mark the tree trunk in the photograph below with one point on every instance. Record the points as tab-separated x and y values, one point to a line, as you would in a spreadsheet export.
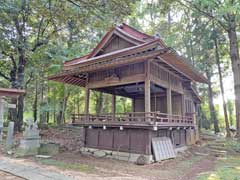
211	105
222	89
20	82
35	102
65	100
203	123
230	112
234	54
42	117
99	103
63	105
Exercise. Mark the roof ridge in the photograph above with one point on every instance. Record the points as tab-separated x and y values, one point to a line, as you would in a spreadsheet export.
115	52
137	30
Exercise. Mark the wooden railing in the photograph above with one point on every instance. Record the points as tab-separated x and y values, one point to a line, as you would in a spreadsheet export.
150	117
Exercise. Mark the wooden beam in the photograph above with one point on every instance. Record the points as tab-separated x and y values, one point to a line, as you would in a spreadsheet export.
159	82
125	80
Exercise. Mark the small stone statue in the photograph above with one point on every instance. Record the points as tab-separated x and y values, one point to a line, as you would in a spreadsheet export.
31	130
31	140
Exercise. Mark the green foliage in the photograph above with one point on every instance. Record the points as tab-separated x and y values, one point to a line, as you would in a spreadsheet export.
228	169
234	145
230	107
67	166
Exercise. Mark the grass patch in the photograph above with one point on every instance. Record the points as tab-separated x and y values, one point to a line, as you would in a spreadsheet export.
234	145
67	166
226	169
188	163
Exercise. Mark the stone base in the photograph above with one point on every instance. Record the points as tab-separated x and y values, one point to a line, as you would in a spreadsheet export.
20	152
29	143
28	147
124	156
48	149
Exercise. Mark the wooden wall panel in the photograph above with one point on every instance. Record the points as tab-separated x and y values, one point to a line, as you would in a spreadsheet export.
163	133
139	141
139	105
131	140
161	104
177	137
116	43
91	137
121	140
177	104
183	137
105	138
120	72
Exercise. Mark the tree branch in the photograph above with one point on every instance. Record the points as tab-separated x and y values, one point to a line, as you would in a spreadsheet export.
29	80
4	76
40	43
11	58
207	14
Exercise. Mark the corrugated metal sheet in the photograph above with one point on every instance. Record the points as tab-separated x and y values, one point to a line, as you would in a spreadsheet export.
163	148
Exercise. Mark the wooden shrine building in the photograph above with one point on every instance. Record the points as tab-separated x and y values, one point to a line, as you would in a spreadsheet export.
159	82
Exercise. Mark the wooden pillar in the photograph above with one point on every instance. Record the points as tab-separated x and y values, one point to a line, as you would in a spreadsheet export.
169	101
113	105
183	105
147	86
87	94
147	95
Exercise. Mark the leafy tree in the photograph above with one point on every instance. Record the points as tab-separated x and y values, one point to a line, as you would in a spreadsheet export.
226	14
27	26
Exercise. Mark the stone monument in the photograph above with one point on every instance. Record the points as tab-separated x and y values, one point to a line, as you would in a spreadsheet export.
10	137
31	140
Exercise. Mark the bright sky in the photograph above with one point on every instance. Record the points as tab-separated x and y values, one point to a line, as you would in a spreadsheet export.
229	91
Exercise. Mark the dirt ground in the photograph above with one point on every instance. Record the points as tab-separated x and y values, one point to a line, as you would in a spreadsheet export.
8	176
187	166
181	168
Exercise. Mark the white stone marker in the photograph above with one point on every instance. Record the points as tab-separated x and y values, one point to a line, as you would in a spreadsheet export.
10	132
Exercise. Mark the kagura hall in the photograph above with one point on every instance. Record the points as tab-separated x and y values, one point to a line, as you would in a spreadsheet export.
159	82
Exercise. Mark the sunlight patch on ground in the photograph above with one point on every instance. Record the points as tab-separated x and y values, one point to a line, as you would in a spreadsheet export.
213	177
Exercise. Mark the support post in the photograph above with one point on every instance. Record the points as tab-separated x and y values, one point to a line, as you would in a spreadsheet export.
114	106
169	101
147	96
183	105
87	94
147	91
